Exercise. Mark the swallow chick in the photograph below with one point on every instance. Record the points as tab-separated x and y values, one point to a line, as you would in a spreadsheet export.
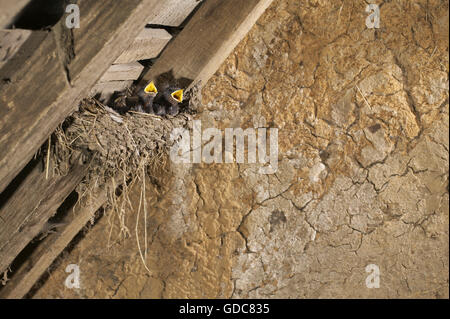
170	99
139	108
177	99
159	109
119	103
146	96
134	104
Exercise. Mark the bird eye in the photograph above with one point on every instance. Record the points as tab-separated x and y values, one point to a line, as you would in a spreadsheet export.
178	95
151	88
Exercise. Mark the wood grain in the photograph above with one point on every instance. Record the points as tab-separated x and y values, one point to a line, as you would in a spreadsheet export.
49	249
147	45
106	89
172	12
30	82
122	72
10	42
25	213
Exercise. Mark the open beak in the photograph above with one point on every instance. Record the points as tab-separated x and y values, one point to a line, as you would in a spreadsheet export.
151	88
178	96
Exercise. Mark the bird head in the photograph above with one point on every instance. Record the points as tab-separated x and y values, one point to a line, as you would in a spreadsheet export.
177	95
151	89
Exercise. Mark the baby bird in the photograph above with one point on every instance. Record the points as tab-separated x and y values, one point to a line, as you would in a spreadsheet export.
146	96
170	99
159	109
150	100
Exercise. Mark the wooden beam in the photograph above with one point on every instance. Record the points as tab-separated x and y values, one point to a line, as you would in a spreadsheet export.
49	249
172	12
29	84
10	42
25	213
207	40
101	22
9	10
35	96
122	72
107	89
148	44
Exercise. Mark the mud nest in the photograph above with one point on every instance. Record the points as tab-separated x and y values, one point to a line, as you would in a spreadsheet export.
119	148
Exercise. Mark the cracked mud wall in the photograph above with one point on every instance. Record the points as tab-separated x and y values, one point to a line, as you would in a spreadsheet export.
362	176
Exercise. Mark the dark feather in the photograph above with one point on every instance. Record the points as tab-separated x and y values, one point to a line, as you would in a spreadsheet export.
159	109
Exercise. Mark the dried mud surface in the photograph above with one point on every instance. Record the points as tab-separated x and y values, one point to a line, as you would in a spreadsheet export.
363	170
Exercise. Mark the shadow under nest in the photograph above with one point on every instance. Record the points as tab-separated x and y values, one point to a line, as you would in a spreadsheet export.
120	149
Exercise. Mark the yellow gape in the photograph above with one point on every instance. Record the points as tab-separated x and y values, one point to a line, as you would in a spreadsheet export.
151	88
178	95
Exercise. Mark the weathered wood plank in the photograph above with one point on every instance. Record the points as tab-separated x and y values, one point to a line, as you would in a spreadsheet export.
122	72
207	40
107	89
49	249
99	21
148	44
35	96
10	42
30	206
172	12
9	9
20	86
30	81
